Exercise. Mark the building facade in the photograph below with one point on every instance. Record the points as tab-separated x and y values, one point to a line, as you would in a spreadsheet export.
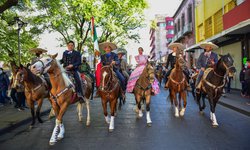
160	36
184	28
227	24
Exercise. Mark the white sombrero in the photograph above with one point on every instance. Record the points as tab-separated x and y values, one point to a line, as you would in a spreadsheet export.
179	45
203	45
104	44
36	50
121	51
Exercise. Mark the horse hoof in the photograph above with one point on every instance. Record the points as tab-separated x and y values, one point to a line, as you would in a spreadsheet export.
31	126
201	112
88	124
60	137
177	116
80	119
215	125
40	121
52	143
111	130
149	124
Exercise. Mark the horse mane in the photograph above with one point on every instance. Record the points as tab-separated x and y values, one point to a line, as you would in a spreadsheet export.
64	76
30	76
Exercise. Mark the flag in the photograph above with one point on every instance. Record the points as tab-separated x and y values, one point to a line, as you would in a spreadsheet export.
96	50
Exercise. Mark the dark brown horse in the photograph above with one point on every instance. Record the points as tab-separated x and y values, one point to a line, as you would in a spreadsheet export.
142	91
62	93
36	89
159	75
177	84
109	91
212	84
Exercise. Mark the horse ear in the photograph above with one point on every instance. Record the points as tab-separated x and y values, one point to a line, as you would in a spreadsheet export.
54	56
21	66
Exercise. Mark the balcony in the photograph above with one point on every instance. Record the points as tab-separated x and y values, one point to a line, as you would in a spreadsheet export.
187	28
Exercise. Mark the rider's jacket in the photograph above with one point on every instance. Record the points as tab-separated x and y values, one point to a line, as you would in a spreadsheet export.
107	59
71	57
171	61
205	59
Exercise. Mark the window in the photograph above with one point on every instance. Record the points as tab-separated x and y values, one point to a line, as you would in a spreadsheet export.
162	24
175	28
170	23
170	31
178	27
189	13
170	40
182	21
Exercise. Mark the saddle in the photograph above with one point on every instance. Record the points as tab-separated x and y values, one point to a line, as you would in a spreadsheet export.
72	79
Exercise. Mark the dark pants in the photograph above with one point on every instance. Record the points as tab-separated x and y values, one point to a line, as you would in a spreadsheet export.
3	96
21	99
229	85
247	87
243	87
121	78
46	77
78	82
13	95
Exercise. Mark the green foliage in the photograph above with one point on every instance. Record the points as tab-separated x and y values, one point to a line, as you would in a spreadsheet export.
9	39
116	19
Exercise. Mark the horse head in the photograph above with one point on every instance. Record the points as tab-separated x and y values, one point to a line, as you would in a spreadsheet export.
227	62
20	76
44	65
106	77
150	73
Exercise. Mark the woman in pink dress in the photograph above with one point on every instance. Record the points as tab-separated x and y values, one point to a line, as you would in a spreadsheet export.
141	64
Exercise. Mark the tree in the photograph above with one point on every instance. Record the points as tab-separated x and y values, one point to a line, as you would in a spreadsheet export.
9	39
116	19
7	4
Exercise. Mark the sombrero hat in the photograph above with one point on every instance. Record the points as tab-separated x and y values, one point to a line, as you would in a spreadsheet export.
121	51
203	45
179	45
36	50
104	44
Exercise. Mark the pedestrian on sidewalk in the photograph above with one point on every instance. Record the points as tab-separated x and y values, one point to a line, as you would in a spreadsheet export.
242	80
4	84
247	78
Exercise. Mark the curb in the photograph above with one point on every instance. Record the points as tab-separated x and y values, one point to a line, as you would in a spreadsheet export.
20	123
247	113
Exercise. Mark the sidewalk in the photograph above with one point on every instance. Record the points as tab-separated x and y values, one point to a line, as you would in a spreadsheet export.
236	102
11	118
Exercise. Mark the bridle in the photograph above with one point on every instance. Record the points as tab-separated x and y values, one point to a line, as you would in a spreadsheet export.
149	78
104	87
45	66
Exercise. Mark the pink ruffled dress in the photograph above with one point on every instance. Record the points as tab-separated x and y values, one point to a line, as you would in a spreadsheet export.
141	61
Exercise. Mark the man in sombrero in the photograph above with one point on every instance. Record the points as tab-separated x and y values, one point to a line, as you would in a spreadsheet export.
176	48
38	52
111	58
206	60
123	63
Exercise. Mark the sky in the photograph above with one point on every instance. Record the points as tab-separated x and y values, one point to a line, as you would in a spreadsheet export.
49	40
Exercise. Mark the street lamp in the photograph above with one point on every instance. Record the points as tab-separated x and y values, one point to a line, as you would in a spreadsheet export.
20	24
160	55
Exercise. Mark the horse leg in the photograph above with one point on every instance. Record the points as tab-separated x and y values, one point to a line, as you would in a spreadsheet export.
176	105
39	103
51	113
184	97
79	111
53	138
104	106
198	98
149	122
120	102
32	110
140	114
88	112
112	104
212	113
63	109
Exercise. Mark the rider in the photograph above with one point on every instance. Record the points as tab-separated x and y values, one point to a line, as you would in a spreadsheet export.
85	69
142	62
71	61
123	63
206	60
111	58
176	47
38	52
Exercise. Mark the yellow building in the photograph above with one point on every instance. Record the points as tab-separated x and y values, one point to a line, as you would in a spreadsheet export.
209	17
227	24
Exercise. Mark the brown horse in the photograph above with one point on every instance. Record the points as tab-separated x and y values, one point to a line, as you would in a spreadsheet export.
177	84
36	89
109	91
62	93
159	75
212	84
142	91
